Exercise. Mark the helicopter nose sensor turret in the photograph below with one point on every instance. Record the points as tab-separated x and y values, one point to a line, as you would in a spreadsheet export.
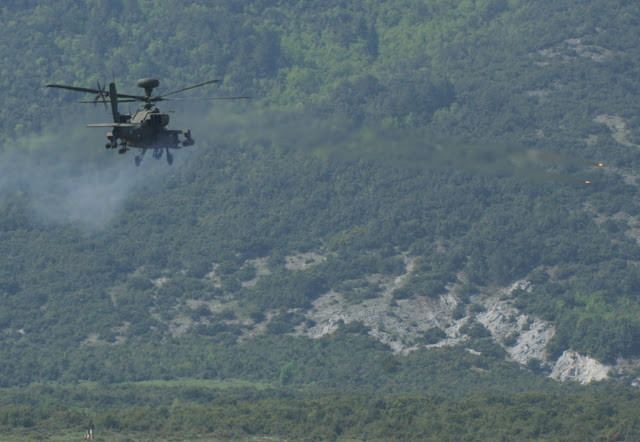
148	84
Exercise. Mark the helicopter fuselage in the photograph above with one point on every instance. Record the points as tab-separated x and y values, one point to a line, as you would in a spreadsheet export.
147	127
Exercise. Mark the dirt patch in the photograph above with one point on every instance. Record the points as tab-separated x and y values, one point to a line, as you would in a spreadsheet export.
303	260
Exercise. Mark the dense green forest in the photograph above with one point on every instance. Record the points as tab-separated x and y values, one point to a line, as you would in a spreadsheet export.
198	410
442	144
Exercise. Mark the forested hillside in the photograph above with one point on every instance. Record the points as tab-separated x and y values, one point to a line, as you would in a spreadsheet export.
396	159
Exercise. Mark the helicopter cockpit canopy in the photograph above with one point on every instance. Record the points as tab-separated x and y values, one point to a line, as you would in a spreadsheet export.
158	119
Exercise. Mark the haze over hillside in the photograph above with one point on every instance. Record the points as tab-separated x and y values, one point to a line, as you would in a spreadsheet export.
402	208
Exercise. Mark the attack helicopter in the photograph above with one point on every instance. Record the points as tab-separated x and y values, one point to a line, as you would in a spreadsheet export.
147	127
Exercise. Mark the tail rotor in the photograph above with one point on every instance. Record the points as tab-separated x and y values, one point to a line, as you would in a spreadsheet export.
101	95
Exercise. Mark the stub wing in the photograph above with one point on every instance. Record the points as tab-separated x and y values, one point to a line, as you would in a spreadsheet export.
113	125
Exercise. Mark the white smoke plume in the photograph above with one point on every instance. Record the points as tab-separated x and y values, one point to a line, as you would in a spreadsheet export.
67	176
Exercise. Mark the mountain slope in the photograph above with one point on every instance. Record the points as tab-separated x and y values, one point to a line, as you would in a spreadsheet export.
405	154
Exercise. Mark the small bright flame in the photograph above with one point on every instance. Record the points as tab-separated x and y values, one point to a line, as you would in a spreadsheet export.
600	164
587	182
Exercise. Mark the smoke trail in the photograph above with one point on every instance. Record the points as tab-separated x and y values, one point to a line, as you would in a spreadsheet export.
67	178
341	139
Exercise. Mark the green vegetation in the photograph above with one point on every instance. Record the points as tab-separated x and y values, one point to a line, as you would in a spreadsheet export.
454	134
152	412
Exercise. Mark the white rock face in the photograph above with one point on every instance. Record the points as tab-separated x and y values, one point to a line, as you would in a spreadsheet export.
532	343
402	323
398	324
573	367
502	319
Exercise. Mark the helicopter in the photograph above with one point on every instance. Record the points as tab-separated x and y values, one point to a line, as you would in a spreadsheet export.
147	127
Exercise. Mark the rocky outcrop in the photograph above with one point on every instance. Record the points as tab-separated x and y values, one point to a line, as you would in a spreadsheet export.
408	324
401	324
572	366
523	337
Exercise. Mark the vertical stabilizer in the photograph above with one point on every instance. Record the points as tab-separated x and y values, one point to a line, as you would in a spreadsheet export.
113	96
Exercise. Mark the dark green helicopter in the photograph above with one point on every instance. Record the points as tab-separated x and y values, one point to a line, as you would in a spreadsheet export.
147	127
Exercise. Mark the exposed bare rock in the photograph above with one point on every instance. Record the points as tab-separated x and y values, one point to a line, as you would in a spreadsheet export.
215	306
93	338
179	326
260	265
532	343
571	366
396	323
159	282
303	260
572	49
402	324
531	334
618	128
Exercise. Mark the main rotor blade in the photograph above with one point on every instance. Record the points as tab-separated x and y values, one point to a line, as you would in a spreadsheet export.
133	97
73	88
128	100
205	98
102	92
190	87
